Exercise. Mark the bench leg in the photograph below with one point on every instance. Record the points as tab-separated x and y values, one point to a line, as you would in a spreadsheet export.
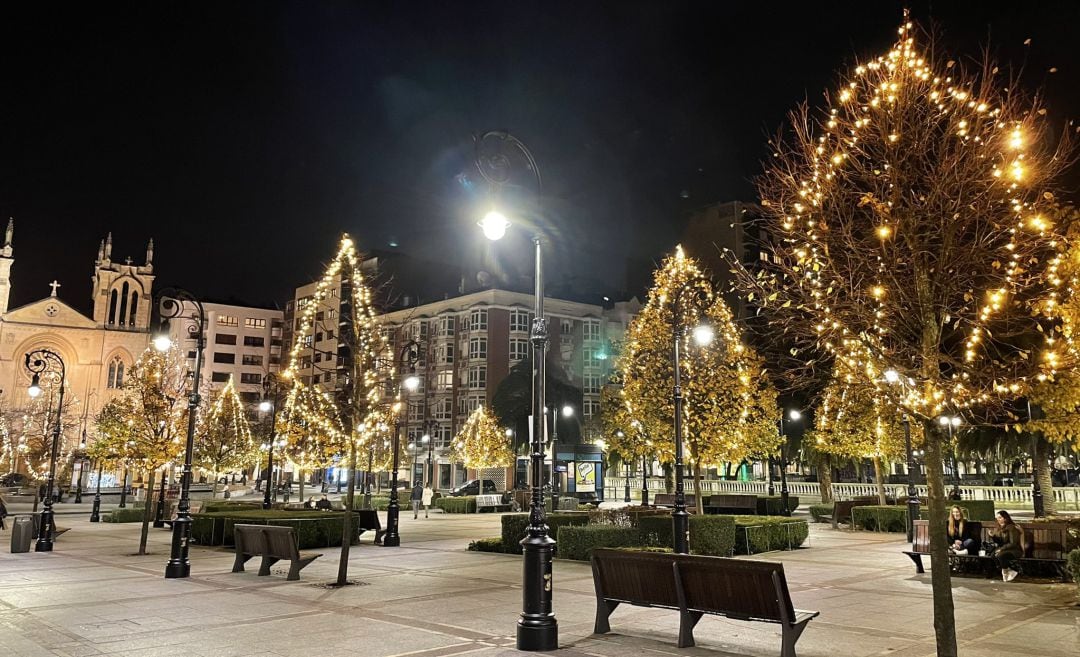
264	569
603	612
791	634
238	563
294	569
379	536
687	621
917	558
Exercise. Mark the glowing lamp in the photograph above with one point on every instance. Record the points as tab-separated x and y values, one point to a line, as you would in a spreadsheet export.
494	225
35	387
162	342
794	414
703	335
412	382
265	406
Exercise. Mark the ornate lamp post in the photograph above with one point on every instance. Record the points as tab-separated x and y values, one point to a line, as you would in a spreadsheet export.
171	306
952	423
272	390
159	516
537	627
429	438
567	412
95	511
794	415
409	355
626	492
49	363
81	459
703	335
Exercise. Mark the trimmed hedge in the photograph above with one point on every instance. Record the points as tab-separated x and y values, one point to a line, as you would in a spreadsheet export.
487	545
973	509
1072	564
880	518
565	503
578	542
819	511
380	502
514	526
463	504
755	534
314	529
218	507
712	534
772	505
125	515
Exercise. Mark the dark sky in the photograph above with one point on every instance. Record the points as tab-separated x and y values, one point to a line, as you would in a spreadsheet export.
245	136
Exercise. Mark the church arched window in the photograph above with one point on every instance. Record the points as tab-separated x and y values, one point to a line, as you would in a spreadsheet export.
134	308
115	379
123	305
112	307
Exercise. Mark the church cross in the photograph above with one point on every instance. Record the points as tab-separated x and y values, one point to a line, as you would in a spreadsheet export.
54	285
127	260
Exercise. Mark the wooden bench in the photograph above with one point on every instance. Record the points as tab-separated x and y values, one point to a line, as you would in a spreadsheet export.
368	520
494	502
668	499
737	504
842	512
272	544
696	585
1046	546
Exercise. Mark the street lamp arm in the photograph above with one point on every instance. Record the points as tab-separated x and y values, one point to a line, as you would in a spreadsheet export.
496	167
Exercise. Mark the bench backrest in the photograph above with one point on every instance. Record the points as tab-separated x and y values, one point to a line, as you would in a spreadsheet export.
367	519
249	539
740	501
668	499
736	587
280	542
1044	540
636	577
488	500
842	509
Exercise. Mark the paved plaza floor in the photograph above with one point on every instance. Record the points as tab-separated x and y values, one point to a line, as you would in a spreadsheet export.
432	598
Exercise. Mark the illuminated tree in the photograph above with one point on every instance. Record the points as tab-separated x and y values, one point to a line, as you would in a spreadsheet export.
482	443
336	412
730	406
224	442
906	234
306	445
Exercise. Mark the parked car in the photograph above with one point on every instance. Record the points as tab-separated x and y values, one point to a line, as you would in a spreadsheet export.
12	479
472	487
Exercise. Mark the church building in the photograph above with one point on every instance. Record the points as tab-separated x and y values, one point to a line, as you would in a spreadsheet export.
97	350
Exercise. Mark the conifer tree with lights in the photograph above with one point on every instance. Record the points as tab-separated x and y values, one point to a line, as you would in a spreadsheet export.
223	441
730	409
337	412
481	443
907	234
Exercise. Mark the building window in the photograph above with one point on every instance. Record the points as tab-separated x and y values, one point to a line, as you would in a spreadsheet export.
590	329
251	359
254	341
477	377
519	349
318	356
329	335
251	378
590	384
318	337
444	408
444	354
591	356
567	326
222	357
478	319
472	403
307	341
116	374
191	354
225	338
254	323
477	347
219	377
228	320
444	380
446	326
592	407
519	320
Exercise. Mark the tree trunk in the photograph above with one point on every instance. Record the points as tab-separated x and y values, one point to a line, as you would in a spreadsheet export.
301	485
346	525
698	502
147	513
879	480
940	577
825	482
1042	474
669	478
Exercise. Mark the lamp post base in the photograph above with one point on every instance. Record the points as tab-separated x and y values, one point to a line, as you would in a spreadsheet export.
179	567
538	638
95	511
392	537
537	628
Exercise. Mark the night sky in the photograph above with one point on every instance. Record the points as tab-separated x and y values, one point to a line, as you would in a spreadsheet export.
245	136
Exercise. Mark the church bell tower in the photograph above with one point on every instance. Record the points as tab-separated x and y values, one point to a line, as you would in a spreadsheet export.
122	292
7	259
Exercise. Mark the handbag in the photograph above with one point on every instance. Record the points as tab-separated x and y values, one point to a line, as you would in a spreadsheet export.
988	547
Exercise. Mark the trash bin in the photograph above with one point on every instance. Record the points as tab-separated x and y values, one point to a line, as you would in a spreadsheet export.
22	531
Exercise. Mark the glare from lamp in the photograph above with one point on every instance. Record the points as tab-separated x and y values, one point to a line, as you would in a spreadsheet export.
703	335
794	414
412	382
494	225
943	420
509	433
425	438
568	411
35	388
956	420
162	342
265	406
892	376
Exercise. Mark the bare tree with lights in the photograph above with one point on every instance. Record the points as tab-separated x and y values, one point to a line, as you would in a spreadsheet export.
910	250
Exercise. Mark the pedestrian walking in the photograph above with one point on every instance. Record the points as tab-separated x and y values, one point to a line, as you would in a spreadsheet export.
417	498
425	499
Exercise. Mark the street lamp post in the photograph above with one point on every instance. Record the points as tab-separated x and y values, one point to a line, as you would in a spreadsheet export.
794	415
626	464
567	411
272	388
409	355
82	466
159	515
537	628
95	511
912	492
1037	503
951	423
123	487
171	306
430	440
38	362
703	334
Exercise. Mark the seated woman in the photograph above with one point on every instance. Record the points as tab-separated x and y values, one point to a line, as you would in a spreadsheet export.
1010	545
960	540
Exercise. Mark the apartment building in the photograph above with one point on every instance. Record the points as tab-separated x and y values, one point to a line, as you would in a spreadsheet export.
242	342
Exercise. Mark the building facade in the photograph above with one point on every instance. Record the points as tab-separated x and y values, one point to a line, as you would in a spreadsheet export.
97	350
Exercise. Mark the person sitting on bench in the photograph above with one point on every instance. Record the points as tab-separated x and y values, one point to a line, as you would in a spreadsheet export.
323	504
959	532
1010	545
